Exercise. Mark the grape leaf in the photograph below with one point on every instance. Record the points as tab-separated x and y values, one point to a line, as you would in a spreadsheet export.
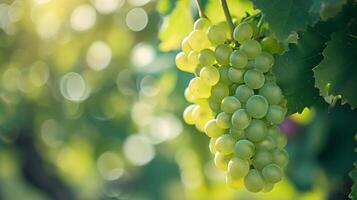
176	26
294	71
336	74
285	16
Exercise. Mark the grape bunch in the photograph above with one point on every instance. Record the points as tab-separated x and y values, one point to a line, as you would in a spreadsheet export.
236	101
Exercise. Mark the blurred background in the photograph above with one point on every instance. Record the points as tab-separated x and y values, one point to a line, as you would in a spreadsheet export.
91	103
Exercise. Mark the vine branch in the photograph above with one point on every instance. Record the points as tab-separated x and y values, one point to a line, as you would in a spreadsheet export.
228	16
201	12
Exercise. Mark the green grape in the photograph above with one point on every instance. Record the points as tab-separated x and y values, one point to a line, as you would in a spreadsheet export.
251	48
281	141
238	59
214	105
230	104
202	24
280	138
219	91
254	181
263	62
225	144
212	145
261	159
182	62
193	58
243	93
224	120
201	114
189	96
216	34
280	157
224	75
250	65
256	131
267	144
212	129
236	133
223	51
221	161
235	75
226	28
254	79
243	32
187	115
241	119
198	40
257	106
234	182
270	44
272	173
206	57
238	168
268	187
198	70
199	88
210	75
185	46
274	131
244	149
271	92
275	114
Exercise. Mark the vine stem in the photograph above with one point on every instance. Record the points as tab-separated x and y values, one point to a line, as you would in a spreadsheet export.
201	13
228	16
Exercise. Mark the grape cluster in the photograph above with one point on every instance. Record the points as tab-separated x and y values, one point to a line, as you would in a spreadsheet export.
236	101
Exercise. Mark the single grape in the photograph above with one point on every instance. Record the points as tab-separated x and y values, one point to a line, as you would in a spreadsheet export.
206	57
244	149
267	144
254	181
270	44
221	161
243	93
214	105
263	62
225	144
192	58
212	129
212	145
257	106
219	91
243	32
201	24
189	96
182	62
268	187
224	75
251	48
199	88
210	75
254	79
238	59
223	51
230	104
272	173
216	34
241	119
238	168
234	182
187	114
235	75
256	131
224	120
236	133
280	157
275	114
261	159
185	46
198	40
271	92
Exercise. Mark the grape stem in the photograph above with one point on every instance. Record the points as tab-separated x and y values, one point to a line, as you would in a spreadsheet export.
251	16
200	9
228	16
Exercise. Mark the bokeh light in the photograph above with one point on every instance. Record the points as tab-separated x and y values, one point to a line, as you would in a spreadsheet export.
137	19
108	6
138	150
73	87
83	17
98	55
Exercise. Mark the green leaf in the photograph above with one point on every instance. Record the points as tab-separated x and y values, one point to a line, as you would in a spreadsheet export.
336	74
294	71
285	16
176	26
